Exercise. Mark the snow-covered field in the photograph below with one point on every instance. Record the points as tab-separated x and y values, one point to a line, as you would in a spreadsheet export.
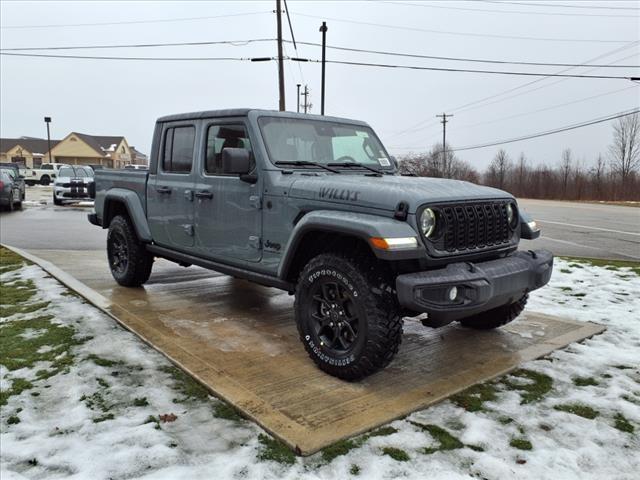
86	399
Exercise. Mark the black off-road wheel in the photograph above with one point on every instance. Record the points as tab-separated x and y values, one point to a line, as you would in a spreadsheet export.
347	317
496	317
129	261
56	201
45	180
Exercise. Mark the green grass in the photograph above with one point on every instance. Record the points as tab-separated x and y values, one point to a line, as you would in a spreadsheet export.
345	446
227	412
473	398
13	420
608	264
397	454
445	440
521	444
585	382
539	385
274	450
189	388
578	409
622	424
140	402
10	261
354	470
103	362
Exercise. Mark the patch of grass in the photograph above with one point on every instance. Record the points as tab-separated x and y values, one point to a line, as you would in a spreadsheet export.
565	270
521	444
103	362
274	450
152	419
102	382
13	420
10	261
566	289
354	470
103	418
540	385
608	264
18	385
607	375
186	385
345	446
380	432
14	295
397	454
623	367
579	295
97	403
473	398
585	382
622	424
505	420
140	402
227	412
445	440
578	409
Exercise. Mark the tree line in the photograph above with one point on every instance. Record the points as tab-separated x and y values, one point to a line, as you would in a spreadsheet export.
613	176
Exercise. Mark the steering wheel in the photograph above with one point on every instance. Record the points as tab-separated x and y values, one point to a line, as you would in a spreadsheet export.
345	158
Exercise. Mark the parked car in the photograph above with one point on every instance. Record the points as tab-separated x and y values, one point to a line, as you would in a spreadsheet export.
43	175
10	195
72	184
315	206
133	166
17	173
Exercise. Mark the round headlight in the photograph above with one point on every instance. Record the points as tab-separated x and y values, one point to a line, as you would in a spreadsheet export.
428	222
511	215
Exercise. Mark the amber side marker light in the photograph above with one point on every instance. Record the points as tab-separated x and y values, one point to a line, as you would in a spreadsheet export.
394	243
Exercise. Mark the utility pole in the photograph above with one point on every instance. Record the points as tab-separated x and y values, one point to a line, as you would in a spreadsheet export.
323	29
444	141
280	59
298	85
305	94
47	120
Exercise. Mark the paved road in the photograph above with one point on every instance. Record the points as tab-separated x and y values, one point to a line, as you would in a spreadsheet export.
580	229
586	229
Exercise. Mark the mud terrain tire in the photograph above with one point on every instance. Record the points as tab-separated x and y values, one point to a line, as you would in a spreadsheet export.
496	317
129	261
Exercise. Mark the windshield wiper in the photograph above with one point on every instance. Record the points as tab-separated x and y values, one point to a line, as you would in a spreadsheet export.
305	163
356	164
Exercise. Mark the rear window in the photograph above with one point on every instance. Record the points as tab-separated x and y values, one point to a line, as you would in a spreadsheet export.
178	149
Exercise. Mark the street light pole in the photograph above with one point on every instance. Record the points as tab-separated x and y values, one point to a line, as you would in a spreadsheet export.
280	59
298	85
323	29
47	120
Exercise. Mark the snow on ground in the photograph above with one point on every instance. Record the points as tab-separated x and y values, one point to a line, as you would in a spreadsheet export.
574	414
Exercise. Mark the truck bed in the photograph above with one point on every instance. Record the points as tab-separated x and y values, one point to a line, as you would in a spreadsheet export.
131	180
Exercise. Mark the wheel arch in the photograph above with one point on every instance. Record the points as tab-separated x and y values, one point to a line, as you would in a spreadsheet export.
125	202
334	231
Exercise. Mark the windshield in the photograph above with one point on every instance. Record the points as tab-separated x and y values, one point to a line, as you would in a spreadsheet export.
292	139
8	171
75	172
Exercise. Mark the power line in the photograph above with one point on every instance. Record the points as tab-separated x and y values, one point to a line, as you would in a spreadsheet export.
558	5
484	10
92	57
463	70
134	22
464	34
481	102
235	43
314	44
463	59
551	132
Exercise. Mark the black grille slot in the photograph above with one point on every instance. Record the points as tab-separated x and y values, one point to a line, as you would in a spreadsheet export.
473	226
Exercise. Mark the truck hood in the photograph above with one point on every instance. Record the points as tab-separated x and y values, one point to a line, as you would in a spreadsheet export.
386	192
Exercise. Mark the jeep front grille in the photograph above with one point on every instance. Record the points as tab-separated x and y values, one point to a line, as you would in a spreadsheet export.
473	226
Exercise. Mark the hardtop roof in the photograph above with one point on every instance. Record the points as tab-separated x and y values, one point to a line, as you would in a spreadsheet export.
244	112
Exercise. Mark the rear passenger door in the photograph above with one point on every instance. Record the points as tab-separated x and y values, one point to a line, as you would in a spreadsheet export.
170	206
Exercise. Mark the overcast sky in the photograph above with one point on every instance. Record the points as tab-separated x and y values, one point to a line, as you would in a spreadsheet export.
125	97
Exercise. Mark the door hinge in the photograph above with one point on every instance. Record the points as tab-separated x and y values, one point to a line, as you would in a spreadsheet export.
255	242
255	201
188	229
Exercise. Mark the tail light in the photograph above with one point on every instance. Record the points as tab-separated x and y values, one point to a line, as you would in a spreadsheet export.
1	185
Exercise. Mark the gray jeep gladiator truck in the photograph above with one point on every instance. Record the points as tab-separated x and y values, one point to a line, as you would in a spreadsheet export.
315	206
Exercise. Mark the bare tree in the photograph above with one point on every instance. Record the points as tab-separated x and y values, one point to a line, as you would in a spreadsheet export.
565	169
499	169
521	176
625	148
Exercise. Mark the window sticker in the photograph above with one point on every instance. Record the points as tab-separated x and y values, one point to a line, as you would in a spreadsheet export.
384	161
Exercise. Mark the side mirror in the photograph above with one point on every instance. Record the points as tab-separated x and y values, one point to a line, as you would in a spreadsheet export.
235	161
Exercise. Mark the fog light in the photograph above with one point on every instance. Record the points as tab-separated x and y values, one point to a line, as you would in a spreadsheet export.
453	293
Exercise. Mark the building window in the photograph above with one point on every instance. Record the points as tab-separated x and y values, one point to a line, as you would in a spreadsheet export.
178	149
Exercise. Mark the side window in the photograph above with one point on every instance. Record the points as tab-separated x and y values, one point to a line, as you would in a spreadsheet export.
220	137
178	149
47	166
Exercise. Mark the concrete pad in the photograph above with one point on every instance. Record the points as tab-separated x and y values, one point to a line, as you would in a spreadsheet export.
240	341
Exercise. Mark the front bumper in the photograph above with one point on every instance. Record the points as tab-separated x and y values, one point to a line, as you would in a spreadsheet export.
480	286
71	193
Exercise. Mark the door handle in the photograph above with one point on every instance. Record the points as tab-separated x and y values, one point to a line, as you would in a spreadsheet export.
163	190
204	194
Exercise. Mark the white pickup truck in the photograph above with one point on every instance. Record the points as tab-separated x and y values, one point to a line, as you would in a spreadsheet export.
44	175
